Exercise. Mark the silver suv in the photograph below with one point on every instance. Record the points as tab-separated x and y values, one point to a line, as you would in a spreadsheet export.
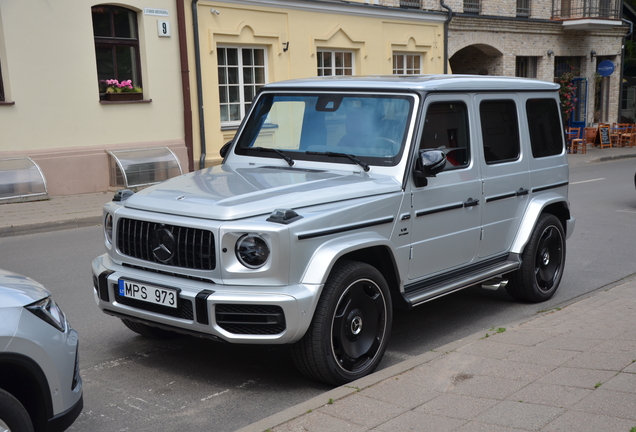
338	200
40	384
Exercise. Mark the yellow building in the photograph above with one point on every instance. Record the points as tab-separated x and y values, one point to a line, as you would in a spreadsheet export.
198	65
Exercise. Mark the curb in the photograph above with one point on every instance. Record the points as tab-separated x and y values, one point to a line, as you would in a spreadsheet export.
35	228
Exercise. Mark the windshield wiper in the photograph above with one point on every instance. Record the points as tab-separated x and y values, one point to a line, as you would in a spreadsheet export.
289	160
363	164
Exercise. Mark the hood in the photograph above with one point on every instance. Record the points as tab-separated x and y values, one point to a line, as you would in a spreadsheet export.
18	290
224	193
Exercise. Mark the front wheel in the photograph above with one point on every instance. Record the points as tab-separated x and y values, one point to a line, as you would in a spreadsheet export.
543	261
13	415
350	328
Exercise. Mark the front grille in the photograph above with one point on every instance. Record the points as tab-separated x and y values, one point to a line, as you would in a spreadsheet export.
184	309
250	319
190	248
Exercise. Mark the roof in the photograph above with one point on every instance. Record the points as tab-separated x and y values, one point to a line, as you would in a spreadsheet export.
419	82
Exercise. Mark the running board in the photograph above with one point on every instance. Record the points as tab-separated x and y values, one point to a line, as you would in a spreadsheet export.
423	292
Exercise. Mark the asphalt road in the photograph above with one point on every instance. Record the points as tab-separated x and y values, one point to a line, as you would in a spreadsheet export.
131	383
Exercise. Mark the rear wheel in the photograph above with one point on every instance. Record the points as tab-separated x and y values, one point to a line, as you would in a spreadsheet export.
13	416
350	328
542	264
148	331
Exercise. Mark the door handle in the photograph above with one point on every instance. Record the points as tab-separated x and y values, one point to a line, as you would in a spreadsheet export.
471	202
522	191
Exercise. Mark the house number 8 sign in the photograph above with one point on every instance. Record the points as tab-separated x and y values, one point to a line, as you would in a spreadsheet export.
163	27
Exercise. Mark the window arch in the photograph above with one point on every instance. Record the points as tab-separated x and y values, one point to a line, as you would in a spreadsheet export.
116	45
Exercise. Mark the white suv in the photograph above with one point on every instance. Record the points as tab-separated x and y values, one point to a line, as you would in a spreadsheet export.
338	200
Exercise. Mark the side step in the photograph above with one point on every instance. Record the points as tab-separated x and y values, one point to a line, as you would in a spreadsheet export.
490	275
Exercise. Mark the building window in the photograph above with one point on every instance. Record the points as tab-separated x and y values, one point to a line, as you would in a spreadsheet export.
241	75
526	67
415	4
523	8
407	64
2	98
116	45
565	65
472	6
335	63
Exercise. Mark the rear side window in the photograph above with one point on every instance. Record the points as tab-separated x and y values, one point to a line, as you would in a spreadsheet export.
500	130
545	127
446	128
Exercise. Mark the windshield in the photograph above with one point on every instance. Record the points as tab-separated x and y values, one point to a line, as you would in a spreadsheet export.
371	127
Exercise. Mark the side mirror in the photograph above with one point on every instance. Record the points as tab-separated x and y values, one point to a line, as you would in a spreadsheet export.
429	163
225	148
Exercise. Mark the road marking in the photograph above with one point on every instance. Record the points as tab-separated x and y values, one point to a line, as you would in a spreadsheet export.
215	395
626	211
587	181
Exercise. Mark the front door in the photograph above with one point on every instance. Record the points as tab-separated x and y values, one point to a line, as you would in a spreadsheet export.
445	213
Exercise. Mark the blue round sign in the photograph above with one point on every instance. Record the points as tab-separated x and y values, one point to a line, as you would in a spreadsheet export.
605	68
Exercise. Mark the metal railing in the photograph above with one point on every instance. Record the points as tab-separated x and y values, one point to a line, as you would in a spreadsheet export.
523	8
572	9
411	4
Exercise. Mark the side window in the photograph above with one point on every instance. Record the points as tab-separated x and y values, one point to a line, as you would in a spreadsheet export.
116	49
335	63
446	128
242	72
545	127
500	130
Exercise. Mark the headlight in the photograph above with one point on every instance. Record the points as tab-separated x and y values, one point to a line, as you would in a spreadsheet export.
108	228
252	251
47	310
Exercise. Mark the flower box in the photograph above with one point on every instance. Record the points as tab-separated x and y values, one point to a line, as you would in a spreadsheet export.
128	96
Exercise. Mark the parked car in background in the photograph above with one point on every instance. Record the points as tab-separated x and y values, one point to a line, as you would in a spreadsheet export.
339	199
40	384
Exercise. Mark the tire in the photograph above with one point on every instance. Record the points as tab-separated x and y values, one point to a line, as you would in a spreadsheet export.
543	261
148	331
350	328
13	416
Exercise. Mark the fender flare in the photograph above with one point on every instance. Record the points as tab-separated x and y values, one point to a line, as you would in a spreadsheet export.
533	211
325	256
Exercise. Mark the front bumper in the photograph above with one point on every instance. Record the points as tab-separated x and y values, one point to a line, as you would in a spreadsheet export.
238	314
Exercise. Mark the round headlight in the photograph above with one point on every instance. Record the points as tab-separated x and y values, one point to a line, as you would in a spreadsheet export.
252	251
108	228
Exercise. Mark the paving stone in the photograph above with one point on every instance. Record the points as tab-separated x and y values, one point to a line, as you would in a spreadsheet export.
616	345
520	415
400	391
490	349
547	394
516	370
615	361
576	377
587	422
362	410
521	336
488	387
318	422
569	343
457	406
609	403
623	382
483	427
543	356
420	422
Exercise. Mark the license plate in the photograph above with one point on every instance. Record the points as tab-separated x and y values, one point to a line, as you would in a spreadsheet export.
148	293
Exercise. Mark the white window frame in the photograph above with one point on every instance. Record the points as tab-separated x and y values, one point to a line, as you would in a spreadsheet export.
405	70
242	104
333	69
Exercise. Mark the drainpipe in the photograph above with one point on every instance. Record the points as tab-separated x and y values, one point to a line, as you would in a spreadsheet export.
185	84
197	59
620	87
446	23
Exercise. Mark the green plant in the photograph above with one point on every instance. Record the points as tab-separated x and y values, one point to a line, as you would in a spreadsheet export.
566	92
330	402
114	86
597	385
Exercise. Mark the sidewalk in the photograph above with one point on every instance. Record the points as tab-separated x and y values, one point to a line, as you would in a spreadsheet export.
569	369
76	211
